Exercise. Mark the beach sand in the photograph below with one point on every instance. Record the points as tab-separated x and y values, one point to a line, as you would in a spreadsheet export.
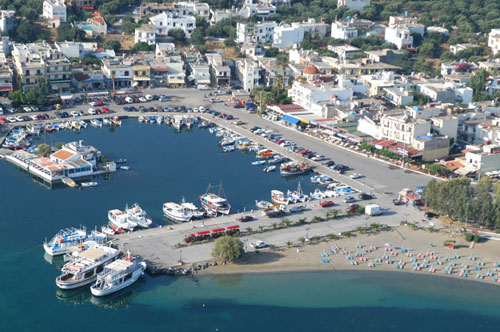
419	245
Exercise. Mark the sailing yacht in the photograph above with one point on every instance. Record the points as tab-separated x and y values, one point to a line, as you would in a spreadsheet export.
84	269
117	275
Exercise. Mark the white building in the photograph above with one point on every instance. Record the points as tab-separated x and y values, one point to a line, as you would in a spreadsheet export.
146	33
401	129
220	73
248	73
316	29
398	96
409	22
354	4
494	41
400	36
7	20
485	160
167	21
53	9
258	33
341	30
285	36
447	92
261	11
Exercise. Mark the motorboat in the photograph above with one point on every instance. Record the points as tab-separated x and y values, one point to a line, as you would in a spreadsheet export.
76	125
89	184
298	195
141	119
125	168
263	204
117	275
204	124
83	124
74	251
216	203
279	198
193	209
96	123
258	162
64	239
269	169
120	161
292	168
159	119
228	148
84	269
276	160
120	219
176	212
138	216
265	155
317	194
106	121
107	230
116	121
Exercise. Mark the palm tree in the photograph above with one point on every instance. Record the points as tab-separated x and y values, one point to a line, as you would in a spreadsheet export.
274	225
289	244
249	230
335	213
302	240
282	61
261	228
113	74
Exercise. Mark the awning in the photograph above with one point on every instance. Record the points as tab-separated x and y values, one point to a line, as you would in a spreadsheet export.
463	171
233	227
203	233
290	119
217	230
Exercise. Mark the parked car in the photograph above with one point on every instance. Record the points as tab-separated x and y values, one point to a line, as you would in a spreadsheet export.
352	208
92	111
329	163
349	199
364	196
298	208
246	218
327	204
74	114
318	157
106	110
430	215
355	176
259	245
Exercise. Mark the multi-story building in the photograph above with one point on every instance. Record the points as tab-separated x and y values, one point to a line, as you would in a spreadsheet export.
146	33
118	71
316	29
53	9
197	69
447	92
6	75
399	36
259	33
354	4
402	129
183	8
7	20
248	73
261	11
494	41
345	31
220	73
76	49
285	36
40	60
411	23
141	73
167	21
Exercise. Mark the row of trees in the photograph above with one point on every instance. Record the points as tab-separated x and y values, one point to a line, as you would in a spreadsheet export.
463	202
31	97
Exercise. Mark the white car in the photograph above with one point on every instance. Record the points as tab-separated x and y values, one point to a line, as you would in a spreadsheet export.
259	245
129	100
318	157
11	119
74	114
202	109
92	111
298	208
93	104
195	110
21	119
142	99
33	117
27	109
148	97
355	176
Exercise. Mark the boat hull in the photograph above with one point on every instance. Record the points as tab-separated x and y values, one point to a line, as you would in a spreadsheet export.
135	276
183	218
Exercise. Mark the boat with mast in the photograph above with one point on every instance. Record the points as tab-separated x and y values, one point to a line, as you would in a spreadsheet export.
176	212
216	203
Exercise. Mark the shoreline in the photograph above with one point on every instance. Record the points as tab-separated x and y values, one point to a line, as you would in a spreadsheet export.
417	243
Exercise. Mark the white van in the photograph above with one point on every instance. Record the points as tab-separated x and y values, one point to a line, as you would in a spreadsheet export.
129	100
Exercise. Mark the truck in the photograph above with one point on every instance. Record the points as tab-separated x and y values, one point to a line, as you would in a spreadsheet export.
373	210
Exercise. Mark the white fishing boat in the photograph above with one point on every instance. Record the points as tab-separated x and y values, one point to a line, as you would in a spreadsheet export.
76	125
228	148
279	198
204	124
141	119
159	119
193	209
176	212
74	251
117	275
138	216
269	169
84	269
64	239
82	123
258	162
106	121
120	219
107	230
263	204
96	123
89	184
125	168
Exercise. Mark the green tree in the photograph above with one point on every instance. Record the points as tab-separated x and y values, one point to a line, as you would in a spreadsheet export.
44	86
307	43
44	149
17	98
198	36
58	145
142	46
229	42
430	49
26	33
227	248
113	44
178	34
272	52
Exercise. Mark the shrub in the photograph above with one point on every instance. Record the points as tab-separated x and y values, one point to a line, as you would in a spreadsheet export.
228	248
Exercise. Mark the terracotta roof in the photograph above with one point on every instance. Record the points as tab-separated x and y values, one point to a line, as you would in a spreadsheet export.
63	154
311	70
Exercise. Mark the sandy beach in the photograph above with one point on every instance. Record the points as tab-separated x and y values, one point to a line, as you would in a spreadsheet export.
396	249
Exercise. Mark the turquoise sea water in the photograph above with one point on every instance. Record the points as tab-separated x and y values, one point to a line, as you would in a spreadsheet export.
166	166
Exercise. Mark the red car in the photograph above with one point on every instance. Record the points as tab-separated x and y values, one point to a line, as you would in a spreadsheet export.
304	152
106	110
3	120
99	103
327	204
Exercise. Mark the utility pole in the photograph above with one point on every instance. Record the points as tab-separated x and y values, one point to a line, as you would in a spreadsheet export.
260	93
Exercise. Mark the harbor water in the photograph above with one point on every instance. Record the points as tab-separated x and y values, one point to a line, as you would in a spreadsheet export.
166	166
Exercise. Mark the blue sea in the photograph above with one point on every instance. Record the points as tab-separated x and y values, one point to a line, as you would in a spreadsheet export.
166	166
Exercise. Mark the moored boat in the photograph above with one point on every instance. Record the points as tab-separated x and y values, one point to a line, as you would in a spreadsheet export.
89	184
279	198
64	239
84	269
117	275
176	212
292	168
106	121
258	163
215	203
269	169
138	216
263	204
120	219
96	123
193	209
